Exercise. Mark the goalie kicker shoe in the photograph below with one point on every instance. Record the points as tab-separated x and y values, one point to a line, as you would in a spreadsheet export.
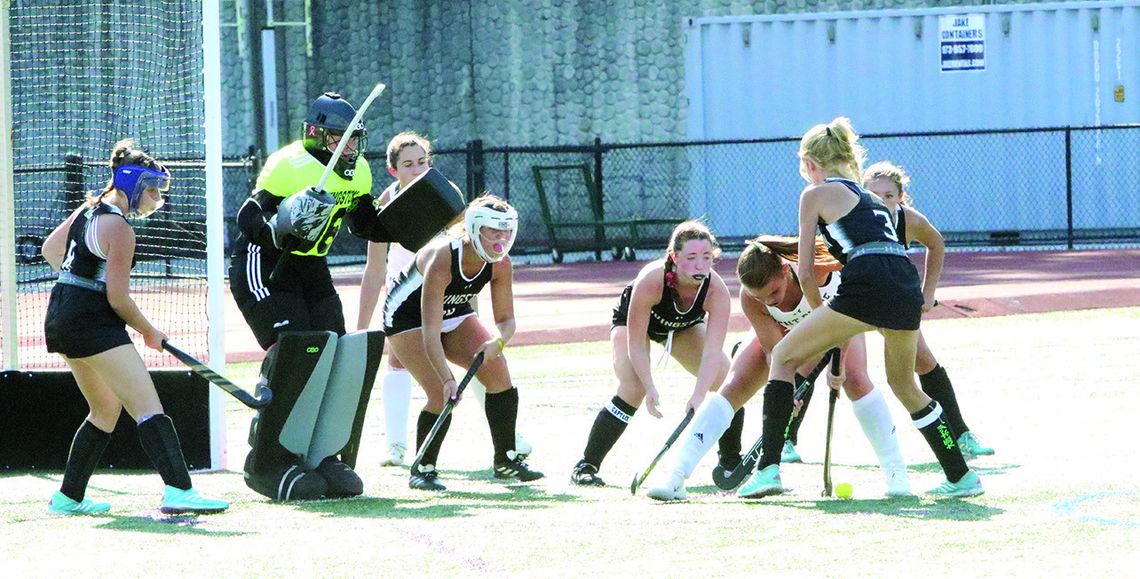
586	475
425	478
516	468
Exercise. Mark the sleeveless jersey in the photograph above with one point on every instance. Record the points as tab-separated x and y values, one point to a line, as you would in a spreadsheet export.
664	316
292	169
83	256
402	310
789	319
900	227
868	222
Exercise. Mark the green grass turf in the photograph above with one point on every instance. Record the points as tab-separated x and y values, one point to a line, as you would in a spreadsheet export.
1055	394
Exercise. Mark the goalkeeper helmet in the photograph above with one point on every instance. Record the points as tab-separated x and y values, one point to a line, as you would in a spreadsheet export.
330	116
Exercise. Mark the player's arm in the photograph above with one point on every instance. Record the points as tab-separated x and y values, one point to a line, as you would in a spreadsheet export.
371	283
117	240
921	230
768	332
503	306
256	217
646	292
718	306
810	201
435	262
364	220
54	248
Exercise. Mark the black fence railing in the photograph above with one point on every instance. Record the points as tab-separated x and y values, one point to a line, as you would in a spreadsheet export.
1061	186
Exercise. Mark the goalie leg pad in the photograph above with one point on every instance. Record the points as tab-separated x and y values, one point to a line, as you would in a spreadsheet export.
298	376
345	402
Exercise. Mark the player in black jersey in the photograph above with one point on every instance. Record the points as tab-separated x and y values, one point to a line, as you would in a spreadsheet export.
89	309
889	182
429	321
879	291
667	303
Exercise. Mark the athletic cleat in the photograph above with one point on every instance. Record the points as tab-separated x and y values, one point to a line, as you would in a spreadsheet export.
516	468
395	455
672	490
968	486
586	475
730	462
522	447
789	453
177	501
897	484
62	504
426	479
765	482
971	447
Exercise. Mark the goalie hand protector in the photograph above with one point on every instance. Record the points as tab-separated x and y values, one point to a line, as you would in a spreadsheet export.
304	214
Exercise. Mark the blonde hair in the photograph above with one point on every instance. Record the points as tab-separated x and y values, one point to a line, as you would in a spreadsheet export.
835	147
762	258
406	139
125	152
893	173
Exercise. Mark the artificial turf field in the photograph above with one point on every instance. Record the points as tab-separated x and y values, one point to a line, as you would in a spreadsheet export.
1055	394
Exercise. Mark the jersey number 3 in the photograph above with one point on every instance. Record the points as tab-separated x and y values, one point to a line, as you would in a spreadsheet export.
888	225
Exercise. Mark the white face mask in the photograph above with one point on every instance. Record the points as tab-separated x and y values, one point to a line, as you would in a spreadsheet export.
479	217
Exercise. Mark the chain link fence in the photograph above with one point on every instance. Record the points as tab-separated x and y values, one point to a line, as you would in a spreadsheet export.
1053	187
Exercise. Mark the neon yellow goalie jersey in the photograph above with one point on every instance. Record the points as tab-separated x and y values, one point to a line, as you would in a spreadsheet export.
292	169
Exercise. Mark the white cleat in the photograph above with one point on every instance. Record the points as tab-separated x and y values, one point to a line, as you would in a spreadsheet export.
672	490
897	484
395	455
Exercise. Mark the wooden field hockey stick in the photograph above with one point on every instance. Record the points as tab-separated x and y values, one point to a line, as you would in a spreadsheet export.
730	479
447	408
638	479
376	90
830	424
260	399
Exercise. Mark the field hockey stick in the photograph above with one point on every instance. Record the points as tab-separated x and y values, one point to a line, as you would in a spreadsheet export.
447	408
376	90
259	400
830	424
638	479
730	479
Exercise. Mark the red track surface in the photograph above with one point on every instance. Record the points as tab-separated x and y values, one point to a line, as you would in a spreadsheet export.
572	302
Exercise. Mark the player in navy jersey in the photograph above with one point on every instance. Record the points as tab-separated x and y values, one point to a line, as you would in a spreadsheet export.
429	321
668	303
889	182
771	299
880	291
89	309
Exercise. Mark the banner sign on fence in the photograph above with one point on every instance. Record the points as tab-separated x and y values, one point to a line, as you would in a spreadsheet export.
962	40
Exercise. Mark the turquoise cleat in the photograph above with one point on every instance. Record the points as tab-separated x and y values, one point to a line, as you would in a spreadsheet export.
971	447
763	483
789	453
177	501
62	504
968	486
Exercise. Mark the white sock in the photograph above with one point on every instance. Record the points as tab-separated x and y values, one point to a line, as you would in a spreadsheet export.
397	394
878	426
478	390
713	418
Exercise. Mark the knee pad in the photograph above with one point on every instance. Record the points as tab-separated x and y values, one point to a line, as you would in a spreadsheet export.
341	418
298	376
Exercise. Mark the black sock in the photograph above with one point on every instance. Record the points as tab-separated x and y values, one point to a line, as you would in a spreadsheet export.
777	411
160	442
86	449
608	426
936	384
934	429
729	442
502	414
793	433
423	427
